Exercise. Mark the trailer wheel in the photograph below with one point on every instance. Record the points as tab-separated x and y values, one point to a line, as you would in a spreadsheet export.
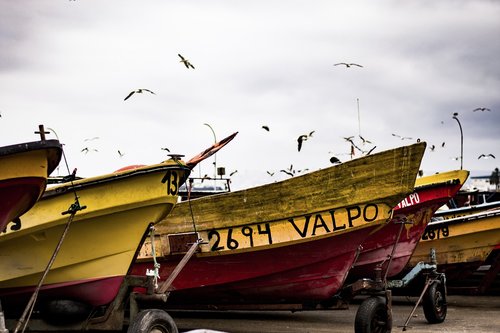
434	303
152	321
373	316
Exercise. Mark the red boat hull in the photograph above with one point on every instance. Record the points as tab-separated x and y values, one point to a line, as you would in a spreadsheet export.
17	196
418	209
306	271
90	292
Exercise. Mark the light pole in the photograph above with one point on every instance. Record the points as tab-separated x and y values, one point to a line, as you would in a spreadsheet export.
455	116
215	155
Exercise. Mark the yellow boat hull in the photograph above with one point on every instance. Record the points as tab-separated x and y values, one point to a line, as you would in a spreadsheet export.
461	240
293	240
102	238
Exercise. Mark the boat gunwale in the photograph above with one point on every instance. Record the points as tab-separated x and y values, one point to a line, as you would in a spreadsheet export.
467	218
49	145
111	177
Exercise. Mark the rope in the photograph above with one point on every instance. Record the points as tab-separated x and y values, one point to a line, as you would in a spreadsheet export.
156	270
31	304
74	208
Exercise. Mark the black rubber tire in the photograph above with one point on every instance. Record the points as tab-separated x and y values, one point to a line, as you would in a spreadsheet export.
152	321
434	303
373	316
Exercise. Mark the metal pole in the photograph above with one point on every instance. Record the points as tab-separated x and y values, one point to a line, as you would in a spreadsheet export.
215	155
461	142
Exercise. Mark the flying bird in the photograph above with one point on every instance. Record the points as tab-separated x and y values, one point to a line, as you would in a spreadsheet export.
486	156
402	137
287	172
370	151
301	139
270	173
138	91
442	145
481	109
87	150
364	140
432	147
165	148
120	153
232	173
186	62
347	65
265	127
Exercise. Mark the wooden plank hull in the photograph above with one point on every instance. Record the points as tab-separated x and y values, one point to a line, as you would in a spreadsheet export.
467	240
415	211
288	241
102	239
24	169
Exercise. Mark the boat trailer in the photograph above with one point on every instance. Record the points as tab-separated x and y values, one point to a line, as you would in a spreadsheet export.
375	312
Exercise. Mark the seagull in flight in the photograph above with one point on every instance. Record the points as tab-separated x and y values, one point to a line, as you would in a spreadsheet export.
301	139
138	91
402	137
481	109
186	62
265	127
347	65
486	156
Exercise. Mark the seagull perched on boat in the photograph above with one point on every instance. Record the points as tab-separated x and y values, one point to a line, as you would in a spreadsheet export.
481	109
334	160
347	65
486	156
186	62
138	91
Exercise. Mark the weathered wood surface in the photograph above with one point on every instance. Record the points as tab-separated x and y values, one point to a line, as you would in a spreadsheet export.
385	177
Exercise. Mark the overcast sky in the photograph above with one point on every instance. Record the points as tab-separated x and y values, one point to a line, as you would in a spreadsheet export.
70	64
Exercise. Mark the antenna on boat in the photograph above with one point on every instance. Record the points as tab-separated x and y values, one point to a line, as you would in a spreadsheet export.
359	119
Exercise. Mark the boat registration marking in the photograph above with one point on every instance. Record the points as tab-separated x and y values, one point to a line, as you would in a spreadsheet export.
292	229
436	233
410	200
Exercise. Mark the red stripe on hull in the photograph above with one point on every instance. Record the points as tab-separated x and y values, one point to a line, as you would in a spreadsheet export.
313	270
18	196
378	247
91	292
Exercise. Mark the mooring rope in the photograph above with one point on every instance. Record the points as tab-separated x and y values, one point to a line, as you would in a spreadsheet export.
74	208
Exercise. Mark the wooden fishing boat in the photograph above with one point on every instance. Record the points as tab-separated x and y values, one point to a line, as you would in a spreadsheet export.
462	244
286	242
393	245
446	214
108	214
24	169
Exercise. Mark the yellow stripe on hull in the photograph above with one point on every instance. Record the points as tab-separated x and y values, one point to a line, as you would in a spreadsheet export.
460	240
32	163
